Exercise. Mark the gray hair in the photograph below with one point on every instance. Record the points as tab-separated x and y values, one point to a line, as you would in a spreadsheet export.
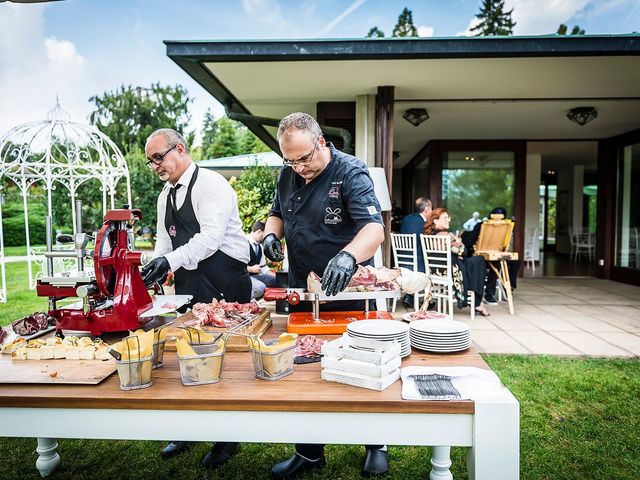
171	136
422	204
299	121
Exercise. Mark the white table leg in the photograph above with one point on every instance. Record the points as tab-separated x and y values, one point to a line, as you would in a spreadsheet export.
440	463
495	453
48	458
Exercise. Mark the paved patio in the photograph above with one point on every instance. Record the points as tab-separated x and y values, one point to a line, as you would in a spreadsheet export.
562	316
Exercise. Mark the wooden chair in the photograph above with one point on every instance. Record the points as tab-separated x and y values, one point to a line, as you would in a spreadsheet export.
436	250
405	254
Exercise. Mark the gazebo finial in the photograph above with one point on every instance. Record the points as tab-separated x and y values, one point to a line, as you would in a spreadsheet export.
58	114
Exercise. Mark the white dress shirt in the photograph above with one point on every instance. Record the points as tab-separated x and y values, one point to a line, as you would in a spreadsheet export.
215	205
262	260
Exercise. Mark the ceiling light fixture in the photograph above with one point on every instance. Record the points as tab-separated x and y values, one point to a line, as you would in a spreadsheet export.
582	115
415	116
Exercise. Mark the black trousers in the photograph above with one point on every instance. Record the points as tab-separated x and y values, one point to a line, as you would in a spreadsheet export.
512	265
314	451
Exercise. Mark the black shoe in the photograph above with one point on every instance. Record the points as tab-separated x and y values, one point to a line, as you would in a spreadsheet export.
219	454
295	466
376	462
490	300
173	449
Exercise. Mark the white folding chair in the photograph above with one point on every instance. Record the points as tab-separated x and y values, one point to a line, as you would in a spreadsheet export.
405	254
584	243
436	250
530	246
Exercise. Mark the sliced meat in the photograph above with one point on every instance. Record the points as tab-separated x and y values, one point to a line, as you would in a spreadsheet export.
309	346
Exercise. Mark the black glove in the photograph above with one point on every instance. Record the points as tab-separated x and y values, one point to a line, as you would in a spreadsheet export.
273	248
338	273
155	271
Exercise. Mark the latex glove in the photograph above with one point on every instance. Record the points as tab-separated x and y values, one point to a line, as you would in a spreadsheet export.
338	273
155	271
272	248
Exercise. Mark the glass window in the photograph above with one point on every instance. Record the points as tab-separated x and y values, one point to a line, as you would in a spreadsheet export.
477	182
628	208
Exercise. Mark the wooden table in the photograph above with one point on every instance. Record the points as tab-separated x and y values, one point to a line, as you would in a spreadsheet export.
299	408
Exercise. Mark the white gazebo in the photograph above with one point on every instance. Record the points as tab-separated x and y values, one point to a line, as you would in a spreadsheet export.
58	151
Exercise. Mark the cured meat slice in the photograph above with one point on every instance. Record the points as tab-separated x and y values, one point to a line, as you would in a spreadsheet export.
366	279
308	346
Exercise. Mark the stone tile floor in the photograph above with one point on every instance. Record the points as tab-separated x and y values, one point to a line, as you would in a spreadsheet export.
561	316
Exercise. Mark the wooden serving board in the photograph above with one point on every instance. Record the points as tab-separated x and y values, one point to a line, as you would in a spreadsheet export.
236	343
87	372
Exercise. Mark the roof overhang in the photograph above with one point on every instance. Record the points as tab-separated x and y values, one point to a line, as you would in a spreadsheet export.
473	88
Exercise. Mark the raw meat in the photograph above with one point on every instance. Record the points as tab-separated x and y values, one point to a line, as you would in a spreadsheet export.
308	346
366	279
31	324
222	314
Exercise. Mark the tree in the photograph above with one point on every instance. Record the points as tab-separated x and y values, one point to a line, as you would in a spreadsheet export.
226	138
493	19
130	114
375	32
576	30
255	189
404	27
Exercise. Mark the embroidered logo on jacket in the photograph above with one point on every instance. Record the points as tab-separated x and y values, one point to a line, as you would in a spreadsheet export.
172	231
333	216
334	192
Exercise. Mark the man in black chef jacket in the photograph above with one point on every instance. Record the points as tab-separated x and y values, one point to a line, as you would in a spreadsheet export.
326	209
199	239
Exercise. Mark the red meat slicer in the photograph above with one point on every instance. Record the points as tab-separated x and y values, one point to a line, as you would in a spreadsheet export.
328	323
113	294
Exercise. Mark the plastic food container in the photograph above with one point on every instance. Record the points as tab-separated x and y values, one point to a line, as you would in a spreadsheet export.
203	368
135	374
273	365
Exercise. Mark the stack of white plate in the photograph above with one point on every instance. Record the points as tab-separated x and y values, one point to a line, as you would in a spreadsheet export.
441	336
383	330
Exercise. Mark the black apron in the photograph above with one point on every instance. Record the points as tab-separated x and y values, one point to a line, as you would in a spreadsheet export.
218	276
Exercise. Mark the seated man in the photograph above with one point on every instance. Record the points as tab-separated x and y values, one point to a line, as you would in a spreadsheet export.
261	276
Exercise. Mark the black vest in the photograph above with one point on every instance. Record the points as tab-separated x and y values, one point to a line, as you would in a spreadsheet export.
218	276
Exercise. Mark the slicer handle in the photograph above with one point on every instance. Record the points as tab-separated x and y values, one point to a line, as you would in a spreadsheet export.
271	294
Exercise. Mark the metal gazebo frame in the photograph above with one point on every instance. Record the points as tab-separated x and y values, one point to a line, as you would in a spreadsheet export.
57	151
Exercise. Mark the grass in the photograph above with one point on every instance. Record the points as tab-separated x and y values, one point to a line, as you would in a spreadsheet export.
579	418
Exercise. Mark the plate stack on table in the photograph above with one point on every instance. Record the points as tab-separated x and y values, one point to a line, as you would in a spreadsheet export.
382	330
440	336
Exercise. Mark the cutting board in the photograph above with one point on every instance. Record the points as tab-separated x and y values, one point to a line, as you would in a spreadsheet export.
236	343
87	372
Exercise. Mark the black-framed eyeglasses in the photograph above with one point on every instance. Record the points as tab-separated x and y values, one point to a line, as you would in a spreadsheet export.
304	160
158	158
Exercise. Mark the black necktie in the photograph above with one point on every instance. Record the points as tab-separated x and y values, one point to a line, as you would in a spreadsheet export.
256	248
172	196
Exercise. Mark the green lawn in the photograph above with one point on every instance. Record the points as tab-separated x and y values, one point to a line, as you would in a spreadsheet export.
580	418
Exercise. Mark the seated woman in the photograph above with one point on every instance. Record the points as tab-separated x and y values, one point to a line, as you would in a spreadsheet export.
468	272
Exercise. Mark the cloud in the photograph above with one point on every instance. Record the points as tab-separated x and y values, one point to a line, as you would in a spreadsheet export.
329	26
467	32
425	31
36	68
267	11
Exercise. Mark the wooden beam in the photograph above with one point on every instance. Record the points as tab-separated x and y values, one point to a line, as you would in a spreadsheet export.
384	154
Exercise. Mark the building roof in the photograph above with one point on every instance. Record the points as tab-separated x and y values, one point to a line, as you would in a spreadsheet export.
233	166
472	87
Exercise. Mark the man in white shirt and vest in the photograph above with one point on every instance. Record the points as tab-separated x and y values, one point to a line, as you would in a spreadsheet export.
199	239
261	276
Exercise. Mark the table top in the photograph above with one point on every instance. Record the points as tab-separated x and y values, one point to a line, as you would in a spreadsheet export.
240	390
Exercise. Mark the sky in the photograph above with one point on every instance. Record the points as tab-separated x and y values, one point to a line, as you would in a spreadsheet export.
75	49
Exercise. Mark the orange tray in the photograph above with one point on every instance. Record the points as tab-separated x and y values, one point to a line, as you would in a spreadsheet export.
330	322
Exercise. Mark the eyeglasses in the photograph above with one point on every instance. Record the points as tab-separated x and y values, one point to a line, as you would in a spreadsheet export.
304	160
158	158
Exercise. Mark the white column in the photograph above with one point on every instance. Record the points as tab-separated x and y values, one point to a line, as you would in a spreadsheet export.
532	197
3	273
365	128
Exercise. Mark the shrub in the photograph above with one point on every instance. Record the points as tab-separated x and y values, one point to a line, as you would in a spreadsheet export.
13	224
